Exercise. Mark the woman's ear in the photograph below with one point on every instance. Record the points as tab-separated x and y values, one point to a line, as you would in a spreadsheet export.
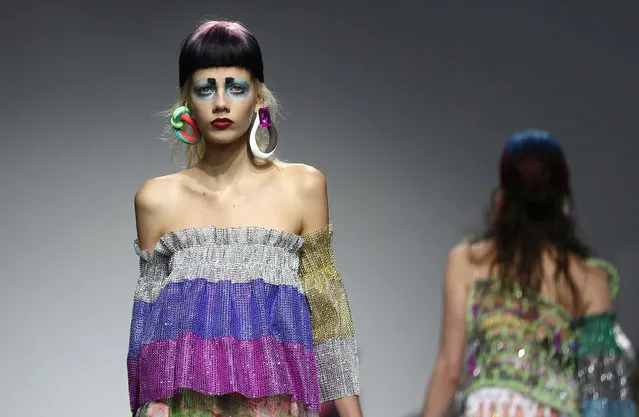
260	97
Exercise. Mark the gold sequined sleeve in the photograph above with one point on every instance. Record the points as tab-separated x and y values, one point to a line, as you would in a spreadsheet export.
333	331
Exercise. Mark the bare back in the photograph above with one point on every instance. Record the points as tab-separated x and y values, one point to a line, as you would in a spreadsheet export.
591	282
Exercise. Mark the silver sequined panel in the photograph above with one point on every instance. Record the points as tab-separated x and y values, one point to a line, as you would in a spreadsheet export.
338	363
604	376
237	254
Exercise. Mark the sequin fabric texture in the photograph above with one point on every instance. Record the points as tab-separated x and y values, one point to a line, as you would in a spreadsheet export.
333	331
236	321
526	344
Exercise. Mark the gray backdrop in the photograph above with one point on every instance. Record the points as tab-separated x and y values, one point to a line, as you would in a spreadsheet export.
403	107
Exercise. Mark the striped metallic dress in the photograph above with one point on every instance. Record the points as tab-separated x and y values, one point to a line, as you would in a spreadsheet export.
242	321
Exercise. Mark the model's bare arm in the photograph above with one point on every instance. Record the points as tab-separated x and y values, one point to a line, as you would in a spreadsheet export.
314	196
445	377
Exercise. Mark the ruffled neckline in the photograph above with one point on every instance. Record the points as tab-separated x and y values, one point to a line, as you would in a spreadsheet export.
181	239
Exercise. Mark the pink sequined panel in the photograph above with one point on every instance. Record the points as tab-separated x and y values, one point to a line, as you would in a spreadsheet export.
255	368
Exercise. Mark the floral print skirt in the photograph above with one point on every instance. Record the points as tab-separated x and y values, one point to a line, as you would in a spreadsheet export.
194	404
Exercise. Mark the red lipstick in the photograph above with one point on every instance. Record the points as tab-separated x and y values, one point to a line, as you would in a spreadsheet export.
221	123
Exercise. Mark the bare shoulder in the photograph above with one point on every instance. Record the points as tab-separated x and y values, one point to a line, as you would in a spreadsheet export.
594	283
586	275
154	203
470	261
304	180
460	252
483	249
480	257
306	185
458	272
458	262
155	192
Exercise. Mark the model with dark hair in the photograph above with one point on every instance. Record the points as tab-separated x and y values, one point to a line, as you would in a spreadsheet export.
239	309
528	323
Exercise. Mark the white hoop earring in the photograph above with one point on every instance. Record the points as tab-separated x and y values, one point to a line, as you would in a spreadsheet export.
263	119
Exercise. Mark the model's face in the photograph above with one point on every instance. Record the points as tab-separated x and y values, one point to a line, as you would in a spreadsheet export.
223	101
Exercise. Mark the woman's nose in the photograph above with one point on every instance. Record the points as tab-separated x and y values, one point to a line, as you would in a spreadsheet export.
220	103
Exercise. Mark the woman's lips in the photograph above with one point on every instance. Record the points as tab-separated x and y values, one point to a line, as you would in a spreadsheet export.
221	123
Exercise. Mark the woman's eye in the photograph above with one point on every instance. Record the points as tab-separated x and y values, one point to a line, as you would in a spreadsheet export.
236	89
205	91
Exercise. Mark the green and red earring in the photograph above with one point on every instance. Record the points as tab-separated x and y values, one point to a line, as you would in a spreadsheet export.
182	115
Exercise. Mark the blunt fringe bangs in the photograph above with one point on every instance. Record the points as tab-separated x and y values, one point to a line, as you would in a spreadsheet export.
220	44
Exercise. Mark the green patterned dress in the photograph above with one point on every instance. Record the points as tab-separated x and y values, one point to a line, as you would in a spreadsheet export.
528	356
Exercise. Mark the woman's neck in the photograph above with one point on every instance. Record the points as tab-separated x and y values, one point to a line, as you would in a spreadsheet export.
226	164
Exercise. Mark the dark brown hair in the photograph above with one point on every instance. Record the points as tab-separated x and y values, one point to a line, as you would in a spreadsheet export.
530	214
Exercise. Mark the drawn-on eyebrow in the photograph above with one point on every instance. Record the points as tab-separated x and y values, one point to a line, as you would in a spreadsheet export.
230	80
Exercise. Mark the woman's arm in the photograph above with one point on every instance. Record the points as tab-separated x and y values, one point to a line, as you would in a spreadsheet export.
445	377
324	287
149	218
602	368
